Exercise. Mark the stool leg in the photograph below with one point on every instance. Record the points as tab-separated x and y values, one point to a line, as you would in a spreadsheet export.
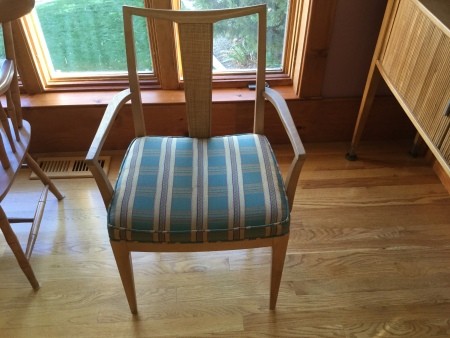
14	244
42	176
36	222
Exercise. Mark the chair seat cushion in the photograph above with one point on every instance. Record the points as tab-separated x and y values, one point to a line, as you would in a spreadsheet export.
184	190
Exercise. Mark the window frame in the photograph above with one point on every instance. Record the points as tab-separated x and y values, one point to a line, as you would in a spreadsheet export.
302	30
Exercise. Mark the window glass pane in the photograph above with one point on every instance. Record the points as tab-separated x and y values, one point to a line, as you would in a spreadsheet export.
87	35
235	40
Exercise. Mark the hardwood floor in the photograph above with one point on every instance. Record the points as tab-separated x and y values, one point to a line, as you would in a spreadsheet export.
369	256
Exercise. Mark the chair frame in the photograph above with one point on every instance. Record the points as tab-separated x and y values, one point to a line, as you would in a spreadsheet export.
190	25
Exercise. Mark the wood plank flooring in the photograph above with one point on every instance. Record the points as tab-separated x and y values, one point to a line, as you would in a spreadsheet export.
369	256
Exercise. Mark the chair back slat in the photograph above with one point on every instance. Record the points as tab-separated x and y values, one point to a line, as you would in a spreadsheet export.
195	32
196	49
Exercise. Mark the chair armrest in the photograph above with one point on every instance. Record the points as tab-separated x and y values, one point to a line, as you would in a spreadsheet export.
92	157
293	174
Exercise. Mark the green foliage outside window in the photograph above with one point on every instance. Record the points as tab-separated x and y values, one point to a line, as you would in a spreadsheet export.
87	36
235	40
2	46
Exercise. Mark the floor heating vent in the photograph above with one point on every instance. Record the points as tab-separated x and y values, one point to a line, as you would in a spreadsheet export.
68	167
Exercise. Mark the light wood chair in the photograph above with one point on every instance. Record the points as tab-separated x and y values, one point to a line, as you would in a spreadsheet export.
14	147
202	192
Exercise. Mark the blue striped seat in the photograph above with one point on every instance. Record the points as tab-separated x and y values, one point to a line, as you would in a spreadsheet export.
188	190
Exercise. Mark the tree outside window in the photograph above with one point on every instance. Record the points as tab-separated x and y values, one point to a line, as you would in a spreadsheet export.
87	36
235	40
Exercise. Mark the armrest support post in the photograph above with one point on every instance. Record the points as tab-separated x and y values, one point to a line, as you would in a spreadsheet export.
92	157
299	151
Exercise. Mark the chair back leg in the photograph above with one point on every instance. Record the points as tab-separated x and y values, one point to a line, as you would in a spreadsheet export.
279	249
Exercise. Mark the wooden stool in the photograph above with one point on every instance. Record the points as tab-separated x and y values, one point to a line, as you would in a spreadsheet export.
14	152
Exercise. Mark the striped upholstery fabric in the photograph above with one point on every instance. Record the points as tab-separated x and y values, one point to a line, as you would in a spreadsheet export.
181	189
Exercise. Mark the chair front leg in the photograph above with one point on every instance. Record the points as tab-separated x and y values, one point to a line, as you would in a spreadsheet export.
125	267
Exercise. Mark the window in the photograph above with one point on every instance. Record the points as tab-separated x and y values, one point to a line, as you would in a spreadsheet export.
80	43
87	36
234	40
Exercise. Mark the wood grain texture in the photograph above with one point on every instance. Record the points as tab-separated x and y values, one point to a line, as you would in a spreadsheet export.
327	120
413	58
368	256
317	44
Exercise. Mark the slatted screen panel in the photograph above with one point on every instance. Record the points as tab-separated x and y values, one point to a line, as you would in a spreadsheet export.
417	63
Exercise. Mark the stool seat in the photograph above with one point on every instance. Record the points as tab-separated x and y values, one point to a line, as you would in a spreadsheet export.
13	9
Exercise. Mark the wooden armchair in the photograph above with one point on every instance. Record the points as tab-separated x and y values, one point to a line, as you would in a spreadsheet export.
15	135
197	193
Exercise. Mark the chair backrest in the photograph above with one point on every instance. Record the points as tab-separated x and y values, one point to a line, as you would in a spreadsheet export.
195	32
